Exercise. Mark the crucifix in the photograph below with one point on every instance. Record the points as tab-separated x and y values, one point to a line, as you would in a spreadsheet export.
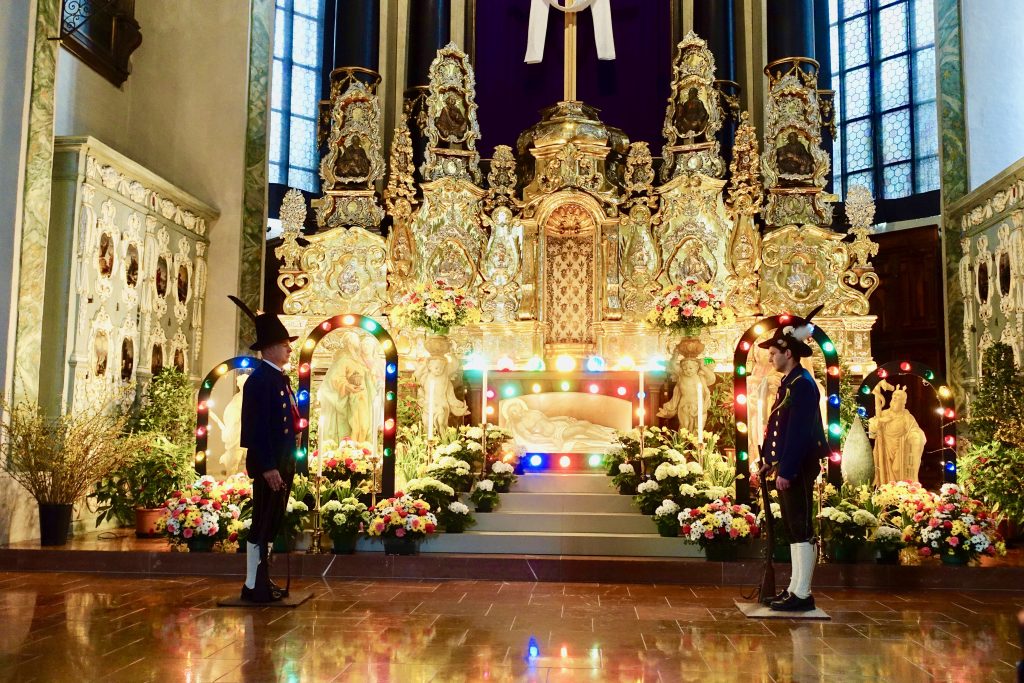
603	37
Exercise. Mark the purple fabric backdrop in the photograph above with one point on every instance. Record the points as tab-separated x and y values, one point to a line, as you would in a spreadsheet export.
630	91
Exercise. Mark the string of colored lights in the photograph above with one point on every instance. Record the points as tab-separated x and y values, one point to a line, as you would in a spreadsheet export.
387	344
740	403
943	394
203	404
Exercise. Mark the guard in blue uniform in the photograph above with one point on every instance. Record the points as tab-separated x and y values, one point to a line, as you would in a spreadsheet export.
794	444
270	432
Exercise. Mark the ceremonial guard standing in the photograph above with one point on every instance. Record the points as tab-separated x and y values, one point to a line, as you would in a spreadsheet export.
269	432
794	443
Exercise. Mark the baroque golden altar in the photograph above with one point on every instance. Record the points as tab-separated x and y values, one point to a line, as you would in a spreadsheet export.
565	240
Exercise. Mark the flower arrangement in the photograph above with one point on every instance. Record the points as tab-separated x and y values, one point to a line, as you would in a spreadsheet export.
345	517
689	307
666	517
347	461
458	444
484	496
648	496
435	492
503	475
720	521
627	479
957	528
845	522
437	307
451	471
402	516
198	516
455	517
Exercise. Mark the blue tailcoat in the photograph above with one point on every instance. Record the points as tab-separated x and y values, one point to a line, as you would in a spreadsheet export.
794	434
268	421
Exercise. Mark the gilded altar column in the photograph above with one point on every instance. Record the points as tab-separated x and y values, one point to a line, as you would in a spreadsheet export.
430	29
351	38
715	22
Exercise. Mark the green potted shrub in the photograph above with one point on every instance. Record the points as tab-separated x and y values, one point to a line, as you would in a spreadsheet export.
484	496
343	520
159	441
59	459
454	517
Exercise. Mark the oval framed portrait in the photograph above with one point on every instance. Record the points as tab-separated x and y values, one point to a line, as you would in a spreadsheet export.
160	277
131	266
127	359
105	257
183	284
156	359
101	353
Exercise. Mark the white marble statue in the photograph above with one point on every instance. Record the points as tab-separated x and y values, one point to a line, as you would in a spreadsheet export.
233	459
691	397
344	395
436	395
534	431
762	386
899	441
373	359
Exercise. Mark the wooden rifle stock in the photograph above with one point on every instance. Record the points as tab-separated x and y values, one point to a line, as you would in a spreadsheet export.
767	590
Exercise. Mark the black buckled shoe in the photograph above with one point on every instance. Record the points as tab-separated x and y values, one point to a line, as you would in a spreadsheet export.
261	594
792	603
278	589
781	595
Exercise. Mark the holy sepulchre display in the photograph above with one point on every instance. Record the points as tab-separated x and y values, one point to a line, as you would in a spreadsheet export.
565	240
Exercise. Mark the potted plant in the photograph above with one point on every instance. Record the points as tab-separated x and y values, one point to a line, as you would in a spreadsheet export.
343	520
199	516
435	492
844	525
484	496
666	518
957	529
627	479
294	520
648	496
436	307
401	522
887	541
347	462
455	517
503	475
718	528
135	494
59	459
452	471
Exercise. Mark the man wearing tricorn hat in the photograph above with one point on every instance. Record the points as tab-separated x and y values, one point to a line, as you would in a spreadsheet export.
269	430
794	442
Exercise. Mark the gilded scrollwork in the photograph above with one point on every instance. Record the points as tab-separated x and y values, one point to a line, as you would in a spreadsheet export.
745	199
694	113
639	263
570	168
293	217
638	180
353	159
501	178
795	166
501	267
450	216
860	212
452	129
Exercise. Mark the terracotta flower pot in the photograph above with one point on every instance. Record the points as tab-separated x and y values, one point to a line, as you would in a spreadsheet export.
145	522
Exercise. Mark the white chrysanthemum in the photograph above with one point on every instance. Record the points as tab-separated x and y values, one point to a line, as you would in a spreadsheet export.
458	508
647	487
626	468
667	508
694	468
475	433
500	467
865	518
485	485
888	534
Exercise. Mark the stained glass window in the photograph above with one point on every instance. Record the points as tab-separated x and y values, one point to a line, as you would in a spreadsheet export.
295	92
883	68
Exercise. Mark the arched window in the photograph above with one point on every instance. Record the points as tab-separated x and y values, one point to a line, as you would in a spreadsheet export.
883	68
295	93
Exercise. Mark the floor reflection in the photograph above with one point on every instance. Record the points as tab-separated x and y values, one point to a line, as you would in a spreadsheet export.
78	627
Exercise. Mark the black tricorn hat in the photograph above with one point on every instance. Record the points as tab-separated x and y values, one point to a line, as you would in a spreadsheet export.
269	329
793	338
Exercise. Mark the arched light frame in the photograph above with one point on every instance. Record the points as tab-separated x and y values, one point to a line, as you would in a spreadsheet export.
942	392
353	321
739	388
203	404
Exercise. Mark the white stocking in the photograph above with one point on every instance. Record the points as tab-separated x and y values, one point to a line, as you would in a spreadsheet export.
252	561
794	568
804	557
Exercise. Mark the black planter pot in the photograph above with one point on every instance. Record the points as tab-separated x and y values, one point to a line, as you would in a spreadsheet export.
54	523
485	506
401	546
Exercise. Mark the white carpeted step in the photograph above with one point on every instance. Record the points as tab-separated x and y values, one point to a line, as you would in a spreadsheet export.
566	502
543	482
566	522
538	543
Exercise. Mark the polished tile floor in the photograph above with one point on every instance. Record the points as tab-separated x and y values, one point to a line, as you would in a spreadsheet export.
87	627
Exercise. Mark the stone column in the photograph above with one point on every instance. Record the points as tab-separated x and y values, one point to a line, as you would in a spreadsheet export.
790	29
826	93
715	22
430	29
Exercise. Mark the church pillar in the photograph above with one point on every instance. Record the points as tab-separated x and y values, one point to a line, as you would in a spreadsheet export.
351	38
826	94
430	25
715	22
790	29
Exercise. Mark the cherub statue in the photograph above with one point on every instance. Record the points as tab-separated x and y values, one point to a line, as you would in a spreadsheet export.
233	459
899	441
691	397
436	395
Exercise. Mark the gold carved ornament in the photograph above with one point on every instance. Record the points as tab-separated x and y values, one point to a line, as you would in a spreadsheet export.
501	291
400	198
795	166
746	195
694	114
452	128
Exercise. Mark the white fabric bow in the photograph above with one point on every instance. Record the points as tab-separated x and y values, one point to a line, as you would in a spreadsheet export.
539	23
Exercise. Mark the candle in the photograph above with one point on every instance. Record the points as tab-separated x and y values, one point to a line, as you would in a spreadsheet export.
483	399
642	400
319	455
430	414
700	413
